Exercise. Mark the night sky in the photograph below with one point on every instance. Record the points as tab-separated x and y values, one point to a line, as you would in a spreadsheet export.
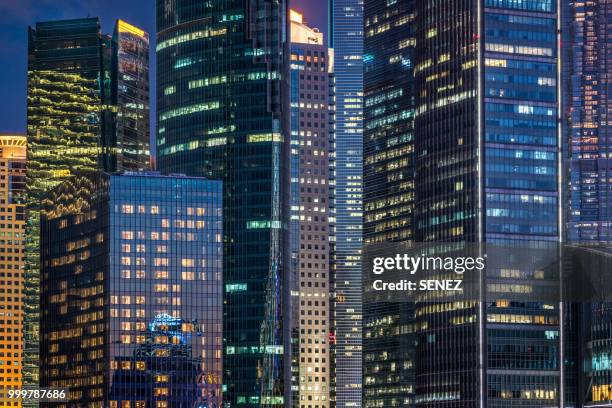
17	15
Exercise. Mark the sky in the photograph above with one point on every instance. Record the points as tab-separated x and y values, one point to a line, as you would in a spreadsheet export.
17	15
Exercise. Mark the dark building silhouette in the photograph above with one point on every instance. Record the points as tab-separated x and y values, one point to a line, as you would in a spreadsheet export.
388	194
87	109
221	86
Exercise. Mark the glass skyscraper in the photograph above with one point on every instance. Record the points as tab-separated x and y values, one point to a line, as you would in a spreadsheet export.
85	110
12	258
487	147
220	88
131	284
64	130
127	146
346	38
590	141
388	193
589	154
522	195
486	165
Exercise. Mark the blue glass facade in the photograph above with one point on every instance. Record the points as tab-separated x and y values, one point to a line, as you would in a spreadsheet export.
131	284
487	151
589	131
589	214
520	108
346	38
522	191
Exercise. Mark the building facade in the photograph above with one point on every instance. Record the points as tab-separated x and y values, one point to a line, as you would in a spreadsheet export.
310	65
388	193
80	117
487	147
486	160
589	154
221	83
132	291
64	130
12	258
346	38
590	144
128	146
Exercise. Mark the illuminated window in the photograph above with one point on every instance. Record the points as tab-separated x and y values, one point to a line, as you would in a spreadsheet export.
160	262
127	209
161	275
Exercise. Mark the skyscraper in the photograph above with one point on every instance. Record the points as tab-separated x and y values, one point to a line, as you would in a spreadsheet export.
131	279
346	38
64	131
220	86
388	193
485	171
310	65
589	154
590	147
128	143
487	148
81	117
12	255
